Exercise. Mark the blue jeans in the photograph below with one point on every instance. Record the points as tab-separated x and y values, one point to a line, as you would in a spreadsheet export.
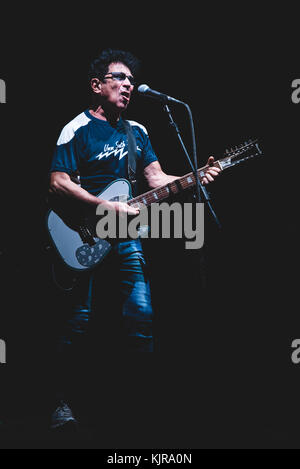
118	294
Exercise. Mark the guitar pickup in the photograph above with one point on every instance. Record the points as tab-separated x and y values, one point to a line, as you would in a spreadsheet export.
86	236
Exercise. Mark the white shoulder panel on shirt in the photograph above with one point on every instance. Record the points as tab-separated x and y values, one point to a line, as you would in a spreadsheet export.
133	123
69	130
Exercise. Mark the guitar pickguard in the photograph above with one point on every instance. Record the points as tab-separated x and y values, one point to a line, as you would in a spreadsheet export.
88	256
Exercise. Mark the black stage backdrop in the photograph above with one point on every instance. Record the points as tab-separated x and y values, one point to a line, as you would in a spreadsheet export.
222	374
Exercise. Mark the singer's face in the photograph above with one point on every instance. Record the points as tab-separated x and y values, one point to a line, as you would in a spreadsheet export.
117	92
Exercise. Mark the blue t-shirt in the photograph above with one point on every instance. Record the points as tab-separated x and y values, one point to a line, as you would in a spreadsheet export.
98	152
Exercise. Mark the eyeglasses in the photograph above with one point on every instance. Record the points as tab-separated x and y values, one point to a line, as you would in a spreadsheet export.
121	76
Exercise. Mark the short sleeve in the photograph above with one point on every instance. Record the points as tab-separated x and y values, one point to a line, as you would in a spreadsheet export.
65	154
148	154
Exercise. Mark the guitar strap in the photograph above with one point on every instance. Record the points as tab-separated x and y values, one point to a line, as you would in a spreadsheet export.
132	155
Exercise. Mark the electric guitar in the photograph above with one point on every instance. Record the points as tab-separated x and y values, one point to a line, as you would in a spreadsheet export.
76	243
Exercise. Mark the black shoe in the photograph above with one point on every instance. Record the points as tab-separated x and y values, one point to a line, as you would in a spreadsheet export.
63	417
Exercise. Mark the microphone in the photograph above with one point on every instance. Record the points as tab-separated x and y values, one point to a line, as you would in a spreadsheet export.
145	90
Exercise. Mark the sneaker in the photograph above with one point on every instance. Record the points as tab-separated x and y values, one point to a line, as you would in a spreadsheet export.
62	416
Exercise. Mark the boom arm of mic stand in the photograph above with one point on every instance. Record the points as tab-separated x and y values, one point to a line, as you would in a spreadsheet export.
199	187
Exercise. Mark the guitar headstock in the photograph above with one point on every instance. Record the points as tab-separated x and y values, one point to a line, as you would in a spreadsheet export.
240	153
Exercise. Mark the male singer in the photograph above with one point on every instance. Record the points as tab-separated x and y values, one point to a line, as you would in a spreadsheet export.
93	149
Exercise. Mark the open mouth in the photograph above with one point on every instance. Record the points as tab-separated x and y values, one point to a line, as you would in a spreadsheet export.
125	95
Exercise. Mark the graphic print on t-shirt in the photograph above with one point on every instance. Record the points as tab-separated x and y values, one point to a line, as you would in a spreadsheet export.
117	150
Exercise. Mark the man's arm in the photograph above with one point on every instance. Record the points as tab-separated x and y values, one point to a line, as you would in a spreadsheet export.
62	185
156	177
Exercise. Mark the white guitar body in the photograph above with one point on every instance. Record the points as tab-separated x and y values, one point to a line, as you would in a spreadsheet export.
74	252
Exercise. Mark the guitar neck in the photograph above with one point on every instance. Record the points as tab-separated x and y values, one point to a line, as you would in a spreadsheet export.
233	157
164	192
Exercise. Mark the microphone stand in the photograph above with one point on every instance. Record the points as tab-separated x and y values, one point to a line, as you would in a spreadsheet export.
199	187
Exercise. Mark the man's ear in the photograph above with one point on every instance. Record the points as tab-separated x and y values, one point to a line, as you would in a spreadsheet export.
96	85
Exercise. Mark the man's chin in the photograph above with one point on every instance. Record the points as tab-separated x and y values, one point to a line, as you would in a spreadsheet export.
120	106
123	103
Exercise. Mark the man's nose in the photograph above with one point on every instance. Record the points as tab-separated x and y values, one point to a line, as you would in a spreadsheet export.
127	83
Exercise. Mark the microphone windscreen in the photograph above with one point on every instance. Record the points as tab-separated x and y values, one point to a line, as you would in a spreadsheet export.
143	88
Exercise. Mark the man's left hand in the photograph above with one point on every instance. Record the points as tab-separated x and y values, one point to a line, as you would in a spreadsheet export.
211	173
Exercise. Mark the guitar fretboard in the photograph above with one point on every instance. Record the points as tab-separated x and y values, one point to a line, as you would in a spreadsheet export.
164	192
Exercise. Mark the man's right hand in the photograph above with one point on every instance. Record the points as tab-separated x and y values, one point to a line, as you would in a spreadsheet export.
120	208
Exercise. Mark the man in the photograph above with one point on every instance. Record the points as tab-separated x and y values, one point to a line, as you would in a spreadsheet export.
94	145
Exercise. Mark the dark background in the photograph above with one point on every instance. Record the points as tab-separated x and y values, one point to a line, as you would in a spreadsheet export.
226	316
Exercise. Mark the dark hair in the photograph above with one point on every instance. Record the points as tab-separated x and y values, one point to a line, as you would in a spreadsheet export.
99	66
